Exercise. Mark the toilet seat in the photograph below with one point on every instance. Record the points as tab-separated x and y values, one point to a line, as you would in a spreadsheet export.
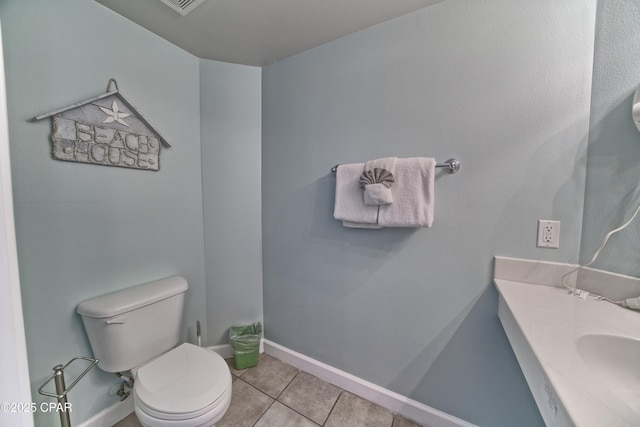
186	383
205	420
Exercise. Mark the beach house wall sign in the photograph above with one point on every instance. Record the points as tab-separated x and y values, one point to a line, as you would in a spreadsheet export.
105	130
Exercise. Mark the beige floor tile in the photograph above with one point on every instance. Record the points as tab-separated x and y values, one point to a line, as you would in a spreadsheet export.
247	406
403	422
303	401
279	415
354	411
130	421
310	396
232	367
270	376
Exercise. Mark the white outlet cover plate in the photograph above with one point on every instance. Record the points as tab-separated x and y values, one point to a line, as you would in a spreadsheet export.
548	234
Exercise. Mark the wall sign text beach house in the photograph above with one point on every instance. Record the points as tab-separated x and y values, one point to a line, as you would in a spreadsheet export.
105	130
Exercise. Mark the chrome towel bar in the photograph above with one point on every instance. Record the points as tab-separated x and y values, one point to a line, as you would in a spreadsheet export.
451	166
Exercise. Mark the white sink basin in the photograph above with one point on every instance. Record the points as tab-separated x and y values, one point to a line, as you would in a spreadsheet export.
615	361
580	357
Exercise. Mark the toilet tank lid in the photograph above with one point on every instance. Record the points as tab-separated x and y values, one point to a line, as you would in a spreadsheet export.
129	299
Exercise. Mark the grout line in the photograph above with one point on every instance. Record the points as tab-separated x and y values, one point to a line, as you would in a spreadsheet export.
287	406
288	384
333	407
280	402
252	386
265	411
262	392
302	415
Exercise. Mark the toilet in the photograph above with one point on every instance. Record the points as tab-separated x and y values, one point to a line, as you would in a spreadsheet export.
138	330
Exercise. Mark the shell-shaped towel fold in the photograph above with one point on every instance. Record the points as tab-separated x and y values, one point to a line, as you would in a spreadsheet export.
376	176
413	196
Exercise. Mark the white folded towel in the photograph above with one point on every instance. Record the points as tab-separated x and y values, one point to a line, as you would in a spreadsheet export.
360	225
379	193
349	206
413	192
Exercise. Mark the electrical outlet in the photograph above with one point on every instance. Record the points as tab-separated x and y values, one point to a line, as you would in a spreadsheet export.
548	234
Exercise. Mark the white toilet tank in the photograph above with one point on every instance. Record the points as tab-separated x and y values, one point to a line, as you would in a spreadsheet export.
130	327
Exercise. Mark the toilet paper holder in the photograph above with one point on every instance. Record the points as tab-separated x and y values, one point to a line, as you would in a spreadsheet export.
64	407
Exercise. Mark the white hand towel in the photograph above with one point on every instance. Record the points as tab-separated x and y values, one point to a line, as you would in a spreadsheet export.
388	163
377	194
349	206
360	225
413	194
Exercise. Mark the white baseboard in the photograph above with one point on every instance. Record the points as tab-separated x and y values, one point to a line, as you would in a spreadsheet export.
407	408
223	350
226	352
110	415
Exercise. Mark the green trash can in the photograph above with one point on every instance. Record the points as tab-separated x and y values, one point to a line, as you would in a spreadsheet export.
245	344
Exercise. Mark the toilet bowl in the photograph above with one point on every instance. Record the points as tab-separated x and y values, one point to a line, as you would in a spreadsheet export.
137	329
187	387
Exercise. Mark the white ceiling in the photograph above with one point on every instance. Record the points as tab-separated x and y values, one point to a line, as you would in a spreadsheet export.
259	32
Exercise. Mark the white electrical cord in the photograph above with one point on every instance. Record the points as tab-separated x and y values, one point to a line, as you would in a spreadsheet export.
632	302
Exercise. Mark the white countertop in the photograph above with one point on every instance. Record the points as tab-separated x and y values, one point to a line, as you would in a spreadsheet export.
551	322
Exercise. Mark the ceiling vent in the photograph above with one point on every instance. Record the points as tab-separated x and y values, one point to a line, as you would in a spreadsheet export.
183	7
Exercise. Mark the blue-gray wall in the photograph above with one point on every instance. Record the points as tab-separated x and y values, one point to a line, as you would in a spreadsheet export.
231	163
613	171
503	86
86	230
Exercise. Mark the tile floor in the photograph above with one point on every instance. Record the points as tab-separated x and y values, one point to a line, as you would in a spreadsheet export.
274	394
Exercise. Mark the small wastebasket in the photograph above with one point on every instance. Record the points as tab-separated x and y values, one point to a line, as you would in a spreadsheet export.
245	344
